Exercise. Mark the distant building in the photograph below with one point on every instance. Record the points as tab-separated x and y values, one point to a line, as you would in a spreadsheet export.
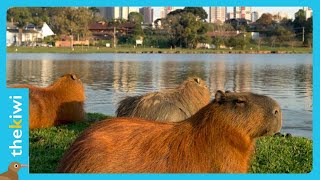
165	11
217	14
104	30
242	13
147	13
254	16
279	16
29	36
308	12
229	15
116	12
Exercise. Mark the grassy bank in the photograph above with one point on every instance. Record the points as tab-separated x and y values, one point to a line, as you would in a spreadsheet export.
85	49
274	154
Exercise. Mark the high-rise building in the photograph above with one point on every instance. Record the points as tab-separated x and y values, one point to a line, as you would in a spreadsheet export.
254	16
279	16
229	15
217	14
147	13
165	11
116	12
242	12
308	12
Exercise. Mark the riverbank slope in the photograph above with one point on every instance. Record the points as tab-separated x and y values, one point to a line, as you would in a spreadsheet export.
85	49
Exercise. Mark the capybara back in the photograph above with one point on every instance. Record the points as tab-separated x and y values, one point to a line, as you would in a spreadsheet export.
219	138
172	105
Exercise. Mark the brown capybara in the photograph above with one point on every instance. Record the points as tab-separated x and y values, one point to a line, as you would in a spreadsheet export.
172	105
220	138
59	103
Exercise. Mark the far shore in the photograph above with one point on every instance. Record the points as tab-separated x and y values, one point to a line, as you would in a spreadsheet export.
141	50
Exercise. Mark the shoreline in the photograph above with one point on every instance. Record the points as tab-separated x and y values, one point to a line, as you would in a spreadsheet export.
120	50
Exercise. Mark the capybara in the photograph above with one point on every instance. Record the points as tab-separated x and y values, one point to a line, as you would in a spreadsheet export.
172	105
59	103
220	138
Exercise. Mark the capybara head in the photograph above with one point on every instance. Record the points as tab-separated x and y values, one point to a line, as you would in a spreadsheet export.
258	115
68	82
70	79
195	92
196	82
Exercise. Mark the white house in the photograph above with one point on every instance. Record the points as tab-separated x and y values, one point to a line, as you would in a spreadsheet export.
30	34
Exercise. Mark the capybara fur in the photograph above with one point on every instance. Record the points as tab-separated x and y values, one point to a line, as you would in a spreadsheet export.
220	138
59	103
172	105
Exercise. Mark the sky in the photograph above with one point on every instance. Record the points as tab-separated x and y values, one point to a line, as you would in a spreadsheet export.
289	10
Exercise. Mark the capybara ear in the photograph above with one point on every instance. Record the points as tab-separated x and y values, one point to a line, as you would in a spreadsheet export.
73	76
197	80
219	96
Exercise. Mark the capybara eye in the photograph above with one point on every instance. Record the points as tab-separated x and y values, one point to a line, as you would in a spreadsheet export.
239	101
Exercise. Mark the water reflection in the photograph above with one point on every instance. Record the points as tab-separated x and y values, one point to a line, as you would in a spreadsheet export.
110	77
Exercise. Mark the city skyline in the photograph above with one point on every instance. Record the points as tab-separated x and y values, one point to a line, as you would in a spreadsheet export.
260	10
158	12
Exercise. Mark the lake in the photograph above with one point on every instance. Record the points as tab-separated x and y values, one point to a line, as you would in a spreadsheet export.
110	77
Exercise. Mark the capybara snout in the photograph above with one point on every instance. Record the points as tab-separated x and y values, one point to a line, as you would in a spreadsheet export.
258	110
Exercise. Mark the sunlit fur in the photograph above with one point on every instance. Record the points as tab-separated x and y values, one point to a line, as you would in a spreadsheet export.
59	103
168	105
220	138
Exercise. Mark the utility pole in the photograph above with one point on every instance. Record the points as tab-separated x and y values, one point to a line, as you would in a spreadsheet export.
302	34
114	37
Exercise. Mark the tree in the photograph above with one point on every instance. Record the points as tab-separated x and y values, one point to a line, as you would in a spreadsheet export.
239	42
217	41
186	30
308	32
135	18
299	23
197	11
265	20
238	24
22	17
94	11
283	34
72	21
220	27
287	23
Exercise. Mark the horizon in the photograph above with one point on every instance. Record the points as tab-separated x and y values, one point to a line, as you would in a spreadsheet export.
289	10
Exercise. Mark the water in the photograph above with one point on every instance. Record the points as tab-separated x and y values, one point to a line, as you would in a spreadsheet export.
110	77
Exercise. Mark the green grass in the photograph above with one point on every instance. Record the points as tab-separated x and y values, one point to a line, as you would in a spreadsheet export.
282	155
90	49
273	154
47	145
